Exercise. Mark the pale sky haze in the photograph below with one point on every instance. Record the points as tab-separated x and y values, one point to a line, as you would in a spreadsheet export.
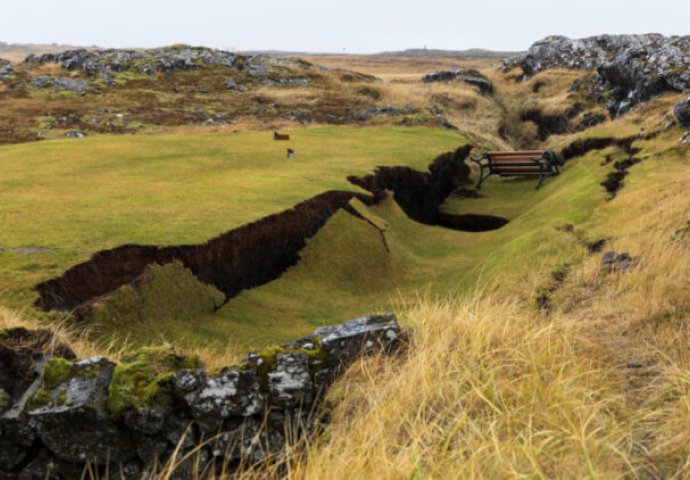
358	26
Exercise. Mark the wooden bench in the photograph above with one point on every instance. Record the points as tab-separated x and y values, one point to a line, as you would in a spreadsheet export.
541	163
280	136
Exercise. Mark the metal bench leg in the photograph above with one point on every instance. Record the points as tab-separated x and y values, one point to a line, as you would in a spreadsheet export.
482	177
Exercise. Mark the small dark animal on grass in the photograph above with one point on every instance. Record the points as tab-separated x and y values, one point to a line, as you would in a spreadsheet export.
280	136
290	153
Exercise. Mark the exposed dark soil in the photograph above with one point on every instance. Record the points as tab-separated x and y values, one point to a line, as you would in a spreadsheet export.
547	124
544	296
472	223
20	351
595	246
420	194
584	145
614	180
240	259
464	192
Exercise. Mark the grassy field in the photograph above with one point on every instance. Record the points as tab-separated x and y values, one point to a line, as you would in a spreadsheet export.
64	200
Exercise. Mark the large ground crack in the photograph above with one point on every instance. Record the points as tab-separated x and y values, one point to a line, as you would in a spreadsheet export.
243	258
260	252
420	194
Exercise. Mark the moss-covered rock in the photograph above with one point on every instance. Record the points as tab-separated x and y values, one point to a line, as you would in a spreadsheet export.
143	379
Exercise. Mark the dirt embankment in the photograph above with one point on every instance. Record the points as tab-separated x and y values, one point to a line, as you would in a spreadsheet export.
240	259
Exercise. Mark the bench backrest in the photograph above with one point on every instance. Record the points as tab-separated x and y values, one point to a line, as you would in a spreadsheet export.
515	163
517	156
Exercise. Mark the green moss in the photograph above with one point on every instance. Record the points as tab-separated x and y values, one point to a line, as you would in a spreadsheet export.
143	379
4	332
55	371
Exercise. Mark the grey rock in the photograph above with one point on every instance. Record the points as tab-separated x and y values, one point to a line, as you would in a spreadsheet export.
16	440
287	82
108	79
16	434
685	138
74	424
61	83
290	383
231	393
151	448
682	112
43	467
5	70
146	420
74	134
232	85
471	77
349	340
617	262
186	381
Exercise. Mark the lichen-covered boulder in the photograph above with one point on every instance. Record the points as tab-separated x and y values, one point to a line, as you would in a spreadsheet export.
290	383
69	413
349	340
232	393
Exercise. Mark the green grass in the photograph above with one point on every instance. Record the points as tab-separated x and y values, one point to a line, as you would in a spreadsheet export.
81	197
78	197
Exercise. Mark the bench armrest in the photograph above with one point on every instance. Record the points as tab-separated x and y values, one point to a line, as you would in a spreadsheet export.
479	159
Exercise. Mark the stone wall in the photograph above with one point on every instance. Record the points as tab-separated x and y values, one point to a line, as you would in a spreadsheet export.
126	417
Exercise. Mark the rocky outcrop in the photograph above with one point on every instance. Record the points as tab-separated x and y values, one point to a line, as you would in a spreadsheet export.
127	417
61	83
471	77
629	69
158	60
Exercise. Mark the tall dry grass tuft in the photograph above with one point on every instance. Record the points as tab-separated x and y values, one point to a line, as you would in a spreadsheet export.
65	332
487	391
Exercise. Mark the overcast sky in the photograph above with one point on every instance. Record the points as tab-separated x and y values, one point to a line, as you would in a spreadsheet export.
358	26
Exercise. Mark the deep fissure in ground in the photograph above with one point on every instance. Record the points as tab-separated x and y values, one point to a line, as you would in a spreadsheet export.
260	252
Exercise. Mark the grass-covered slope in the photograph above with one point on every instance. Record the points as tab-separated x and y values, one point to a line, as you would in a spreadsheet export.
62	201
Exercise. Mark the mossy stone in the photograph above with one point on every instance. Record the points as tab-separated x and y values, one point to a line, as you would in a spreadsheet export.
143	379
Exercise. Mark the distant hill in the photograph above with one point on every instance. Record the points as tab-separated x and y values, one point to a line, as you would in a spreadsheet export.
410	52
19	51
469	53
